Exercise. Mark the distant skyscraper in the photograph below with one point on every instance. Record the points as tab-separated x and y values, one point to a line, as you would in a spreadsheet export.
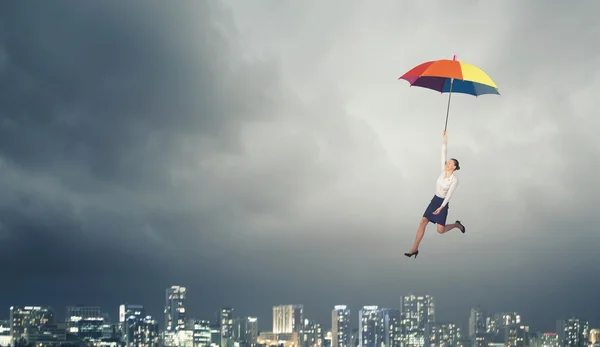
516	335
142	332
226	326
370	327
202	333
85	322
245	331
287	318
416	312
549	339
443	335
127	310
340	326
215	333
573	332
309	336
477	321
251	331
175	308
391	327
24	321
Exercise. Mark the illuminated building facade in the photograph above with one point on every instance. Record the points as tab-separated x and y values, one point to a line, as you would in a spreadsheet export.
340	326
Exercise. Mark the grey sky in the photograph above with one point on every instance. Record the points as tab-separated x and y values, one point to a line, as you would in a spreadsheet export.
264	153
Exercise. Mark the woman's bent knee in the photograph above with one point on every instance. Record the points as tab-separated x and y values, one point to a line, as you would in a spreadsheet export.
440	229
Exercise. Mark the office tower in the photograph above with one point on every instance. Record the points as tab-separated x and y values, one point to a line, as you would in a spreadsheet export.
201	332
128	310
391	327
573	332
251	330
320	331
175	308
370	327
226	326
287	318
443	335
309	336
549	339
477	321
85	323
26	322
516	335
83	312
245	331
416	312
215	333
141	332
340	326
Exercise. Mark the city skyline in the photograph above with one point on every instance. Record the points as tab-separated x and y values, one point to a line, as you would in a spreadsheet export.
265	152
412	324
266	321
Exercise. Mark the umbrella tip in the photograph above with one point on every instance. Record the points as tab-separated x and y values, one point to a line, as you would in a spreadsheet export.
454	57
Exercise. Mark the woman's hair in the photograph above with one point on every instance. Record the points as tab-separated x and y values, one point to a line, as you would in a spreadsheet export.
456	164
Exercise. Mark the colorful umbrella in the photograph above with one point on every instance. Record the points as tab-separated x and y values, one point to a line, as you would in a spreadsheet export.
451	76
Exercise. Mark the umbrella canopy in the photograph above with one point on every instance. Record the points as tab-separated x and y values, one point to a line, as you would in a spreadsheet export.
452	76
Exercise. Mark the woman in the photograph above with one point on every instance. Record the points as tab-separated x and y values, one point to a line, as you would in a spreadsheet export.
437	211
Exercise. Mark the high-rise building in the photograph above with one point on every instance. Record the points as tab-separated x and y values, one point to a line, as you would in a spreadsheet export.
573	332
128	310
516	335
309	336
175	308
548	339
287	319
370	327
443	335
201	332
215	333
129	313
27	322
251	331
477	321
391	327
245	331
226	326
141	332
416	311
340	326
85	323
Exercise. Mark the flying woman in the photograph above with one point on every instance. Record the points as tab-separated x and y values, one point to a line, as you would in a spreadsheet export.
437	211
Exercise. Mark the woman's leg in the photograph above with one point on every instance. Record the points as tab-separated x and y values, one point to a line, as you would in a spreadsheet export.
420	233
445	228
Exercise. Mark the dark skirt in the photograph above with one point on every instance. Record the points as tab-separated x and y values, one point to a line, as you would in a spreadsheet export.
439	218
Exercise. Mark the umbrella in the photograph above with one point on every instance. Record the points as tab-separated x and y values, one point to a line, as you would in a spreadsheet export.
451	76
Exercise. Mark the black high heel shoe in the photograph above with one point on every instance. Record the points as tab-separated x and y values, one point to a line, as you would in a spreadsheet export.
415	253
463	227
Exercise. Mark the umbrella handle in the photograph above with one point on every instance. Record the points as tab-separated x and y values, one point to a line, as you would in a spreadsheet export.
449	96
448	108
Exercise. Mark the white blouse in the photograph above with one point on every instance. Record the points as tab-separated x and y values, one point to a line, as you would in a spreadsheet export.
445	186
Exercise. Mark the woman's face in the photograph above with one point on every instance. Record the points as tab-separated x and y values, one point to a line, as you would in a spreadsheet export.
450	166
